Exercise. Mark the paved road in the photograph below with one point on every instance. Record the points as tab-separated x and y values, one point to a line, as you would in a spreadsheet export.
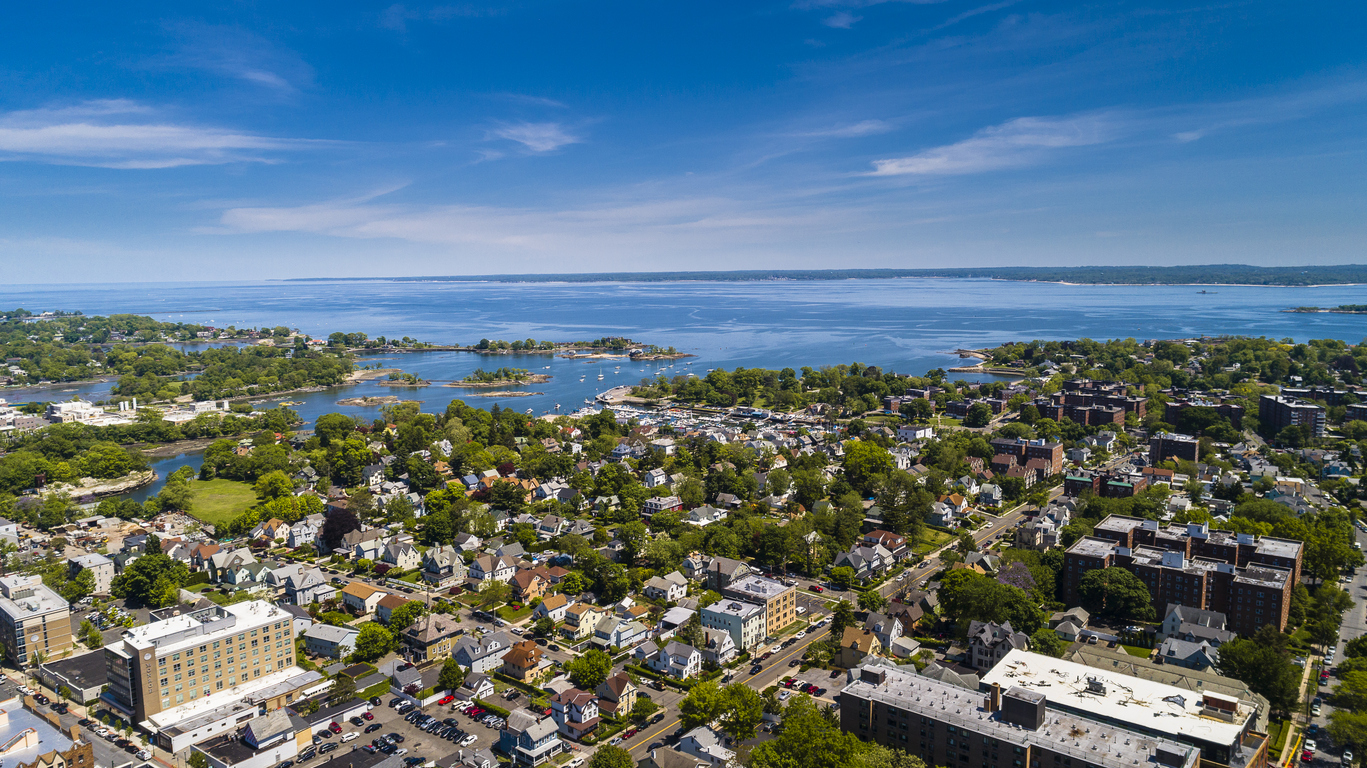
1354	625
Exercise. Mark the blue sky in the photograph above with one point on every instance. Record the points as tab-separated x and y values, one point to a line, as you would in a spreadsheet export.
147	141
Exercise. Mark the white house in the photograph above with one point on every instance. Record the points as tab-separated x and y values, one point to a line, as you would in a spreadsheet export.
672	587
678	660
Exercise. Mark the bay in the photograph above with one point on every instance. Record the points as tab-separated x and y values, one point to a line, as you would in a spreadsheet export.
905	325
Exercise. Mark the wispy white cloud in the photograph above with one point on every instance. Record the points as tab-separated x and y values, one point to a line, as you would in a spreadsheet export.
1015	143
970	13
118	133
806	5
853	130
536	137
238	54
397	16
841	20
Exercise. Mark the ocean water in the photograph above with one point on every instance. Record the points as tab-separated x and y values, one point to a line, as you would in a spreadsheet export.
904	325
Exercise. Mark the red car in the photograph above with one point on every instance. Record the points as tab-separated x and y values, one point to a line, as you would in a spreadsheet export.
818	588
367	716
1307	756
444	700
335	728
630	732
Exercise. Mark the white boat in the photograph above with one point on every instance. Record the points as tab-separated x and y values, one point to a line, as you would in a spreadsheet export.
600	377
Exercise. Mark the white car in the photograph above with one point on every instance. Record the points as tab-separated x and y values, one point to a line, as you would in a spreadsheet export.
801	634
989	525
1310	745
402	751
468	740
1347	758
349	735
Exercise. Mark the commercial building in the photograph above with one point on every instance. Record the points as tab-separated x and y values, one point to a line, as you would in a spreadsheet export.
1223	728
947	725
1277	412
189	675
1167	445
744	621
1248	578
33	619
83	675
779	600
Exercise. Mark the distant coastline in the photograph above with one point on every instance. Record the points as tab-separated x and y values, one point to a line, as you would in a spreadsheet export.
1200	275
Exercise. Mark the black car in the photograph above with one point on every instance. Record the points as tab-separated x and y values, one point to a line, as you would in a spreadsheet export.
326	748
132	748
60	709
373	727
451	721
553	647
414	760
396	701
389	749
755	670
286	764
121	743
358	722
657	718
85	721
397	737
307	755
375	701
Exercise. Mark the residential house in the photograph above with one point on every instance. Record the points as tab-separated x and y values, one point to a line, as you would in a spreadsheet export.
575	713
364	545
362	598
655	478
308	587
402	555
895	545
885	628
723	570
1198	655
432	636
856	644
468	542
675	659
866	561
616	632
617	695
670	588
101	570
990	495
528	584
719	648
487	567
332	642
523	661
661	504
443	567
384	610
549	527
305	532
201	553
224	566
704	515
1195	625
581	620
529	740
274	529
989	641
706	744
476	686
552	607
1070	623
481	654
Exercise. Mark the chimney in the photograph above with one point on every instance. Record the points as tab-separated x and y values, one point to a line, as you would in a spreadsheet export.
994	698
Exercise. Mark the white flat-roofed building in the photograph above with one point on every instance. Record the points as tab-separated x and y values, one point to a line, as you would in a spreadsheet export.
33	619
945	724
1221	726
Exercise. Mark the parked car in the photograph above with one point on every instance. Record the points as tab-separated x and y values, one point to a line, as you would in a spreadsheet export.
349	735
373	727
334	727
329	747
367	716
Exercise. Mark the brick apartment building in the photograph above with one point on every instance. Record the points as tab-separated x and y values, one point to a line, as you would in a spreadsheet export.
1166	445
1248	578
1049	454
1277	412
1232	411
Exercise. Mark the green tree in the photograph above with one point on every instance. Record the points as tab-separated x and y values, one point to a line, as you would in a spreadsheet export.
373	642
452	675
197	760
842	616
843	576
703	704
1264	663
1047	642
543	627
79	587
403	617
343	689
589	670
809	739
90	634
494	592
979	415
148	580
742	711
643	710
865	463
1115	592
872	600
612	756
273	485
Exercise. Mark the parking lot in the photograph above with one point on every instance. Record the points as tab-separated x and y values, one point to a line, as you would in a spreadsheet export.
416	742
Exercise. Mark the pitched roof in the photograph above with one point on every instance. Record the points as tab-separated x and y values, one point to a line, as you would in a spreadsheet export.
392	601
859	639
554	601
357	589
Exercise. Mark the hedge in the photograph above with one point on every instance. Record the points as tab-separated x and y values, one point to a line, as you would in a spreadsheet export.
494	708
198	577
378	689
530	690
683	685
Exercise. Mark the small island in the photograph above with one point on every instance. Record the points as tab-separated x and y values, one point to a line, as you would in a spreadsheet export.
1342	309
501	377
404	380
369	400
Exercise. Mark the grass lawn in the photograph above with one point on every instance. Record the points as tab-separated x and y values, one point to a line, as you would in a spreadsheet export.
411	578
1135	650
218	501
509	615
932	540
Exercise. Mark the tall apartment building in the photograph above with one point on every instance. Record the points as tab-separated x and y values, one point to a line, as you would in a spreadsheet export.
1167	445
779	600
1327	395
1022	726
33	619
1232	411
1088	393
1248	578
743	621
1277	412
1356	412
187	674
1051	454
